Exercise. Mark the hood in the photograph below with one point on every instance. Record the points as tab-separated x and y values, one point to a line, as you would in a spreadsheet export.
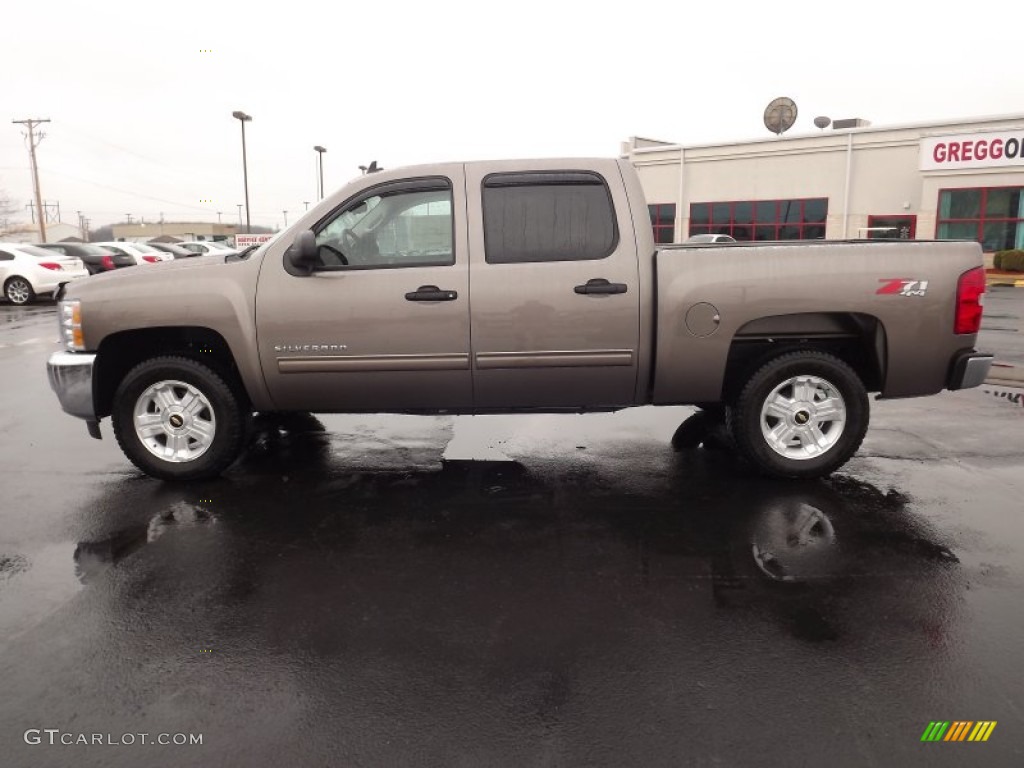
161	277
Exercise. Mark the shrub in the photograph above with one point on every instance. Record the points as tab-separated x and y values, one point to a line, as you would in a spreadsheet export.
997	259
1010	261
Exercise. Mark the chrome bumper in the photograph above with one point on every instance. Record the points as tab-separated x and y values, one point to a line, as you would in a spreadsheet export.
70	376
969	370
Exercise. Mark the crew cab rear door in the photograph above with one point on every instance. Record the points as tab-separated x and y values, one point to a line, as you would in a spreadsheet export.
554	282
381	323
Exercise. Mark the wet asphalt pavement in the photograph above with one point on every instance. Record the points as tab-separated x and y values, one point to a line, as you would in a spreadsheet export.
358	592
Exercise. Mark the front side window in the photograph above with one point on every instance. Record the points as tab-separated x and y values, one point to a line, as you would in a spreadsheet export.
395	226
547	216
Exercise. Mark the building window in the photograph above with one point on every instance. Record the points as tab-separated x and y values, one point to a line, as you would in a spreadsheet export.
547	216
663	221
992	216
802	219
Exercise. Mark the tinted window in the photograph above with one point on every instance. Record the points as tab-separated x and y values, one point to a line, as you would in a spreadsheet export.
396	225
5	256
562	216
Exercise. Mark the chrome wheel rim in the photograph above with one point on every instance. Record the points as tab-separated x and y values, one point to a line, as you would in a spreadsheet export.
803	417
174	421
18	291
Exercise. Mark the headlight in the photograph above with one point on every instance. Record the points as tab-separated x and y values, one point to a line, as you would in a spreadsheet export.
70	317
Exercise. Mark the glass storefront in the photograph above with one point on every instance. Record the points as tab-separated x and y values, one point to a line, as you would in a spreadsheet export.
801	219
992	216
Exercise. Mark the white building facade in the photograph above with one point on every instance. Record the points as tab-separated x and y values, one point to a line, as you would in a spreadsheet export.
950	180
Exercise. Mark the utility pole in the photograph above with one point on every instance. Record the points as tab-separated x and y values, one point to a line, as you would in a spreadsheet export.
81	227
306	203
239	215
218	218
31	123
129	217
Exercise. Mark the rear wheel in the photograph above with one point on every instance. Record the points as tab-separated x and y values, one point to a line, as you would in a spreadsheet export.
176	419
18	290
801	415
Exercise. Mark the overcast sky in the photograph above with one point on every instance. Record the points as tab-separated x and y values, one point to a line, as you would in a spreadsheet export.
141	113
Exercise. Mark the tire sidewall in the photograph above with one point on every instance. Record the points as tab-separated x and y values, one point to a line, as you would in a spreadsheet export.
745	417
229	432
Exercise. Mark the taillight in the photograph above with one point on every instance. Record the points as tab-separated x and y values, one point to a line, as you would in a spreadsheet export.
50	265
107	262
151	259
969	292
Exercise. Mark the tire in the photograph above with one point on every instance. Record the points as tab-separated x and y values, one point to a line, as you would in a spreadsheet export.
704	428
801	415
19	291
692	432
208	435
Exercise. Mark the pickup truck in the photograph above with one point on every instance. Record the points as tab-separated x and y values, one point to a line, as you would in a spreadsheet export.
517	286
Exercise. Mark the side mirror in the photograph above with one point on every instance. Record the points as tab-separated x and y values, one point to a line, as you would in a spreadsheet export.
301	256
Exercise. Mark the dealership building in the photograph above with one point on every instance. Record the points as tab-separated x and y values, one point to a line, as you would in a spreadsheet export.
959	179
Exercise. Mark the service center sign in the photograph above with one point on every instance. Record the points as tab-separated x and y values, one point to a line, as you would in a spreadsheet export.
243	241
972	150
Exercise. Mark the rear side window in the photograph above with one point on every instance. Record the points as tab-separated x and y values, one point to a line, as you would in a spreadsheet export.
547	216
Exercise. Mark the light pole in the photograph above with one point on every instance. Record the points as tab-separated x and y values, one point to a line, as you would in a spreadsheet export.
239	215
306	203
320	151
243	119
285	219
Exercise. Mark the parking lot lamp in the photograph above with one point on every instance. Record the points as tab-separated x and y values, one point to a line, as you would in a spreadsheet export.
243	119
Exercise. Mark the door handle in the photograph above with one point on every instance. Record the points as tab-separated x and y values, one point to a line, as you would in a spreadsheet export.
431	293
600	285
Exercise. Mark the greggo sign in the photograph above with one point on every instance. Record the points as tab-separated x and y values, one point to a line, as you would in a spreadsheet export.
973	150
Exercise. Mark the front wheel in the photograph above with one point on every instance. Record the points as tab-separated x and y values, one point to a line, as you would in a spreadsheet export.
19	291
801	415
176	419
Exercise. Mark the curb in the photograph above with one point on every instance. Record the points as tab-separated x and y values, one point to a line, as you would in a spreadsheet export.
1012	282
1005	374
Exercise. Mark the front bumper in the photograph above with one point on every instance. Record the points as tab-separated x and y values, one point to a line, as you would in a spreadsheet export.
70	376
969	369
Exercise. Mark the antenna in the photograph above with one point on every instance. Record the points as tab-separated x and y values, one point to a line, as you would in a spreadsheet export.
822	122
779	115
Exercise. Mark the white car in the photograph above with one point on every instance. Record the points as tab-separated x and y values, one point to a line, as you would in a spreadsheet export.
141	252
27	271
207	247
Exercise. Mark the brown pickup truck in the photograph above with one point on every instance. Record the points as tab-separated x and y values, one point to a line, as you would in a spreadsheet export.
517	286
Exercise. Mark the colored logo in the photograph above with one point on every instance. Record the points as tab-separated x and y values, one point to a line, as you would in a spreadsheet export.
958	730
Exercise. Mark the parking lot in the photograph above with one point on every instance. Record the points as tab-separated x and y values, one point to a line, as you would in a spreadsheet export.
537	590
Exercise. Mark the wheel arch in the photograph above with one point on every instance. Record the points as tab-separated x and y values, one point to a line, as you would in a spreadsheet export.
119	352
857	339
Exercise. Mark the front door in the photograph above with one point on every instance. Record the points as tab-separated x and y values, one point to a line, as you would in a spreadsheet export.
555	286
382	322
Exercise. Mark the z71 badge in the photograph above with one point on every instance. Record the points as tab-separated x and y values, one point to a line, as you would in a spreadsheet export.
901	286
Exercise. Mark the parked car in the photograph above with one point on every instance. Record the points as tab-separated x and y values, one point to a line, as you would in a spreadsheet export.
207	247
143	253
95	257
174	249
711	239
27	271
394	296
